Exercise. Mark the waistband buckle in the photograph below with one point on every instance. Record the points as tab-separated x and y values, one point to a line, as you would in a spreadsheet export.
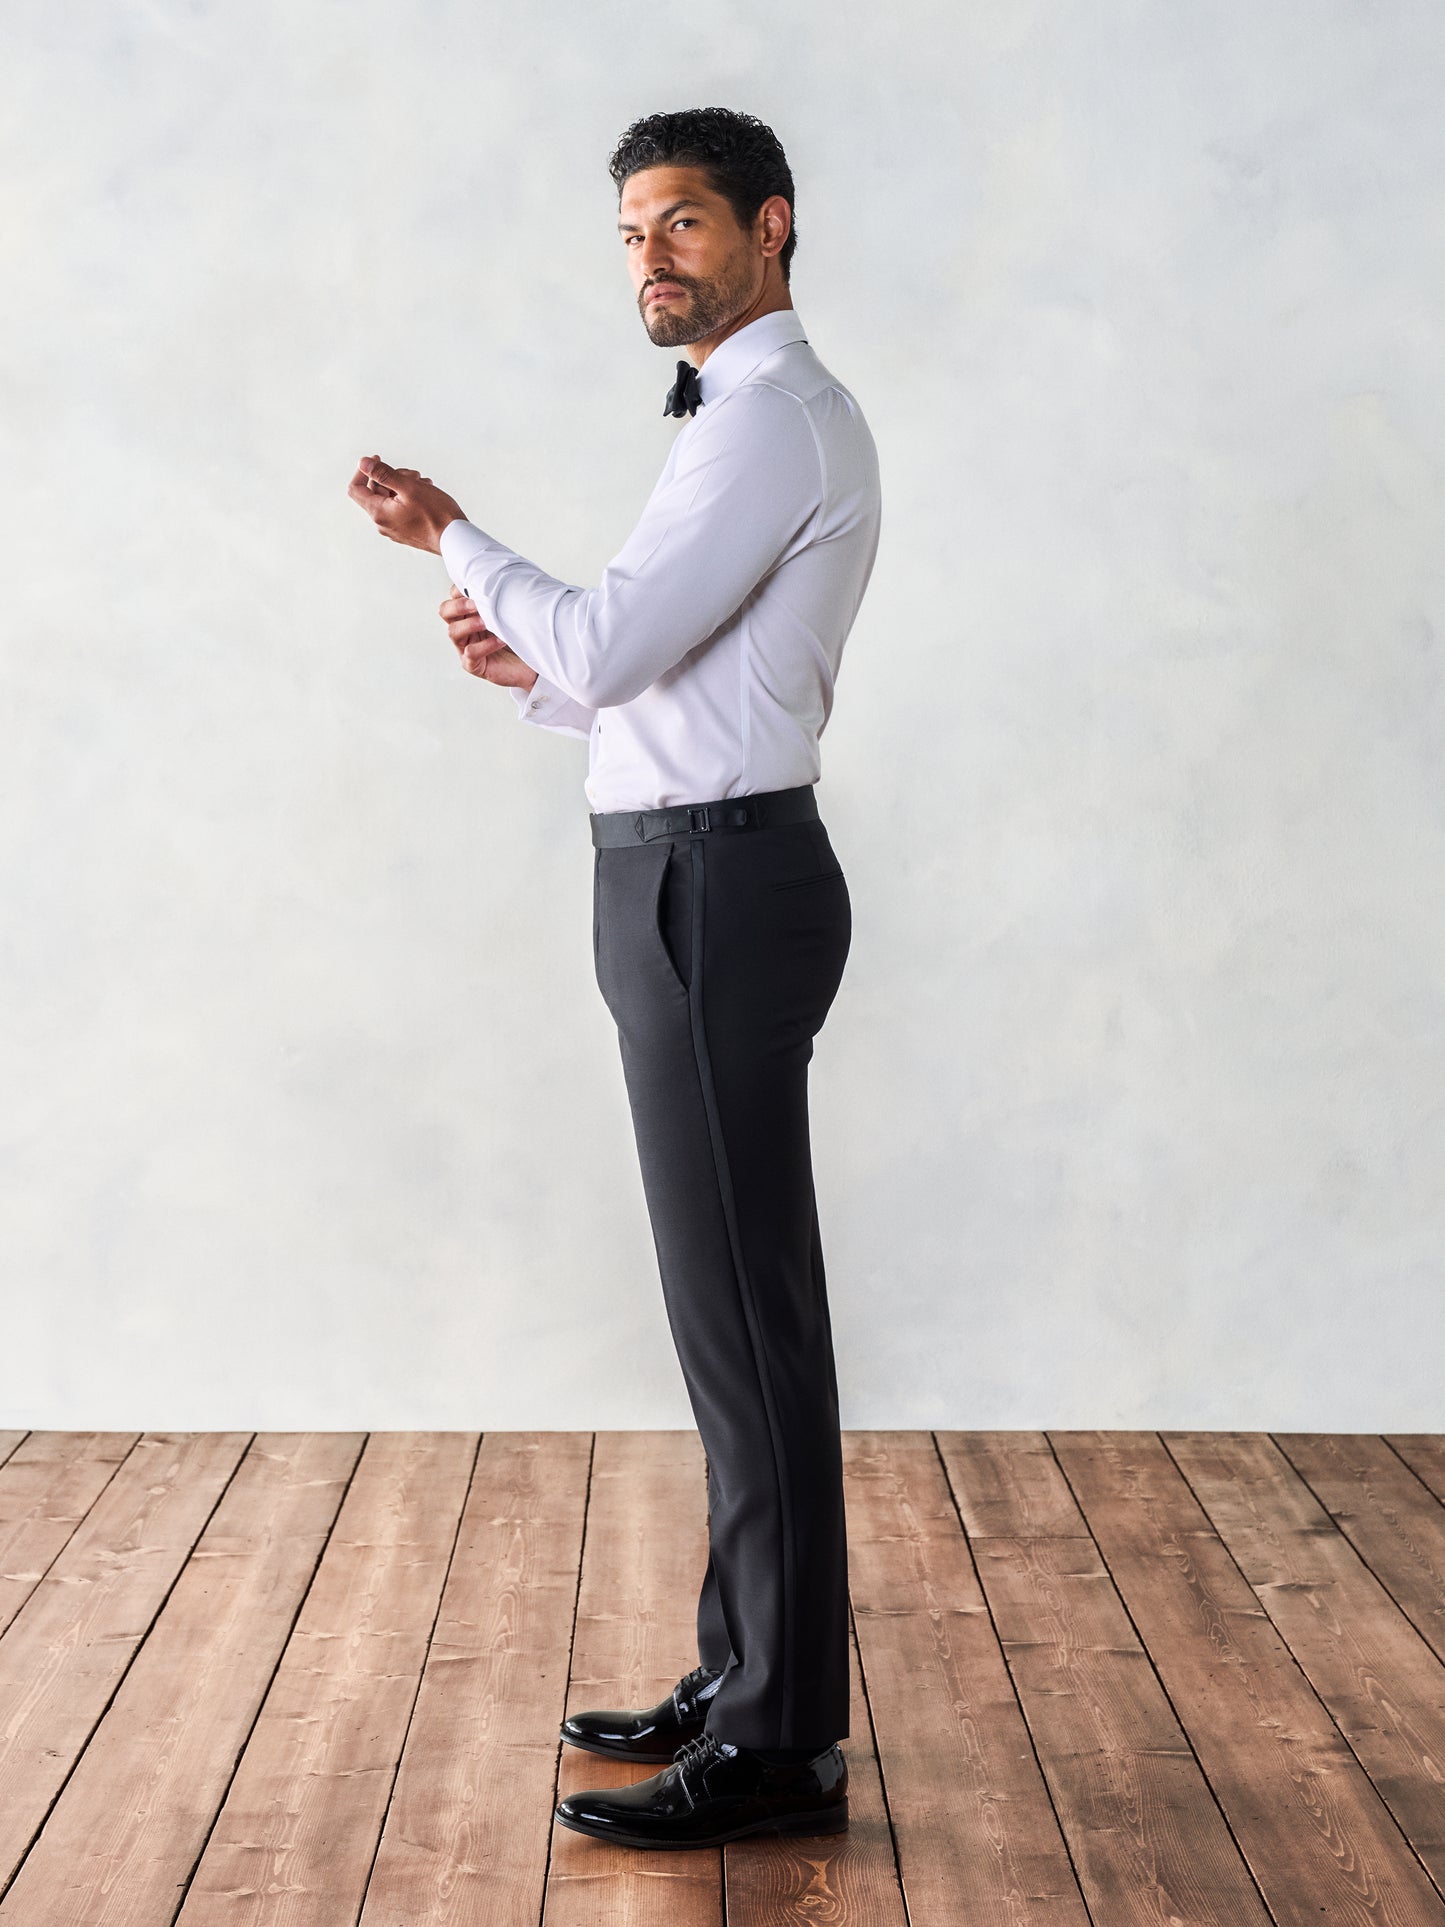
694	811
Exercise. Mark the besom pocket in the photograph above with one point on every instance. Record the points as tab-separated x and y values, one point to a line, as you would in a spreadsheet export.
671	913
818	876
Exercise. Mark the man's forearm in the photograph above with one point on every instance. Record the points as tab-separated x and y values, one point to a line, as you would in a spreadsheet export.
739	495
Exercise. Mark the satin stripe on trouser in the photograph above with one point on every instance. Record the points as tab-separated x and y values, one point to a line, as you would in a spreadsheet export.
718	955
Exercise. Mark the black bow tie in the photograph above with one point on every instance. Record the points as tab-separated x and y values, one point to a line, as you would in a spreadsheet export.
683	397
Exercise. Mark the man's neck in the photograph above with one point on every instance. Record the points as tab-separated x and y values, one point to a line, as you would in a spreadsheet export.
698	351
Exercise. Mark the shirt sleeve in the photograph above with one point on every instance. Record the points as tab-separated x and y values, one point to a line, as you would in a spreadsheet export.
545	705
743	489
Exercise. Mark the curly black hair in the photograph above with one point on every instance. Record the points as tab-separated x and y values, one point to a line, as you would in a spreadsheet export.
742	158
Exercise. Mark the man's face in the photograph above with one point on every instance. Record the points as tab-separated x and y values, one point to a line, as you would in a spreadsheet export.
693	267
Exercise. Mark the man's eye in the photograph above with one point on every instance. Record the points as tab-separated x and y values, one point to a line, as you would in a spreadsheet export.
683	220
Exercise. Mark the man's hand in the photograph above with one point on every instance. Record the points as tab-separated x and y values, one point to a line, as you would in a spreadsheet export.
482	651
406	507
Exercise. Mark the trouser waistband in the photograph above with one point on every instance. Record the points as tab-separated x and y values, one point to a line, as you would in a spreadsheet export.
755	811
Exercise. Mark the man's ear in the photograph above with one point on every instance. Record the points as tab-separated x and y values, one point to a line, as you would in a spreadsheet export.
774	223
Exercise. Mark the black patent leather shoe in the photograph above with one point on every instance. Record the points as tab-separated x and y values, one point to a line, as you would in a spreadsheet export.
713	1793
652	1736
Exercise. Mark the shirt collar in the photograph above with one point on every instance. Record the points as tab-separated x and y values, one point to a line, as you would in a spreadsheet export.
741	352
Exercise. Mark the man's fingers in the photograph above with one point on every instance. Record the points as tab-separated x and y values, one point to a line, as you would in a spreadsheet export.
480	648
360	489
460	615
377	476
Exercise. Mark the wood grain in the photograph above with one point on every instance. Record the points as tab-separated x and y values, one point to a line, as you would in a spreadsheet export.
1392	1519
68	1647
643	1561
295	1840
976	1833
1424	1453
1144	1832
1382	1685
121	1842
470	1821
850	1877
48	1482
1316	1835
1191	1678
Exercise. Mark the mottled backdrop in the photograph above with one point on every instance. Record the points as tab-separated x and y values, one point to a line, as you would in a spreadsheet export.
1129	1111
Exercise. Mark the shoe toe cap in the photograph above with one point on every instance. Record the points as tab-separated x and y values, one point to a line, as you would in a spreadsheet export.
594	1810
599	1726
623	1731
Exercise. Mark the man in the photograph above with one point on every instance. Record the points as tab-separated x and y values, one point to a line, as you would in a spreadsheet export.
701	673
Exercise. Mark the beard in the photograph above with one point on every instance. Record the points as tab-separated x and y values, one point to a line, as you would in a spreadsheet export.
706	305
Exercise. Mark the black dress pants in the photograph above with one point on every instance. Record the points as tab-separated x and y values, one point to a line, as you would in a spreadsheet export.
718	953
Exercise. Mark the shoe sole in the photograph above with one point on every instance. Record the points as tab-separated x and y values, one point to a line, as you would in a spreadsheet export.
621	1752
831	1820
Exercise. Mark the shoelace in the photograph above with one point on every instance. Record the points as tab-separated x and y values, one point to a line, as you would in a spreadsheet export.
689	1684
699	1753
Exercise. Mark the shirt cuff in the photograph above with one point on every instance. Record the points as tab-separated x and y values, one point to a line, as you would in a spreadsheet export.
462	544
542	702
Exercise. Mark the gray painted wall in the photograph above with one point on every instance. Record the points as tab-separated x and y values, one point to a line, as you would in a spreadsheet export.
1129	1110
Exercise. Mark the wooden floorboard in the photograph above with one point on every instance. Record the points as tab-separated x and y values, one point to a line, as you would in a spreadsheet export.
635	1636
1149	1842
976	1833
1317	1836
298	1832
853	1877
1424	1453
470	1822
48	1482
1122	1678
1375	1675
1389	1515
121	1841
67	1649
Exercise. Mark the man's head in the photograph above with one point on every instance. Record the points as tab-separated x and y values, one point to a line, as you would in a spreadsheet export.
705	208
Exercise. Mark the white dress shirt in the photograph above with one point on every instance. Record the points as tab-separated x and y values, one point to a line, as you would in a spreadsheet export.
703	664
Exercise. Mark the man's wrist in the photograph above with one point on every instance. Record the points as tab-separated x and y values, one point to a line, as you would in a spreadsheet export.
439	529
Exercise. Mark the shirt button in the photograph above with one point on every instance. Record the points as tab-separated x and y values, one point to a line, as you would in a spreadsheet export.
536	703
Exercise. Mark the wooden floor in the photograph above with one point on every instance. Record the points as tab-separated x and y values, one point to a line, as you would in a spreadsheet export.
1108	1677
